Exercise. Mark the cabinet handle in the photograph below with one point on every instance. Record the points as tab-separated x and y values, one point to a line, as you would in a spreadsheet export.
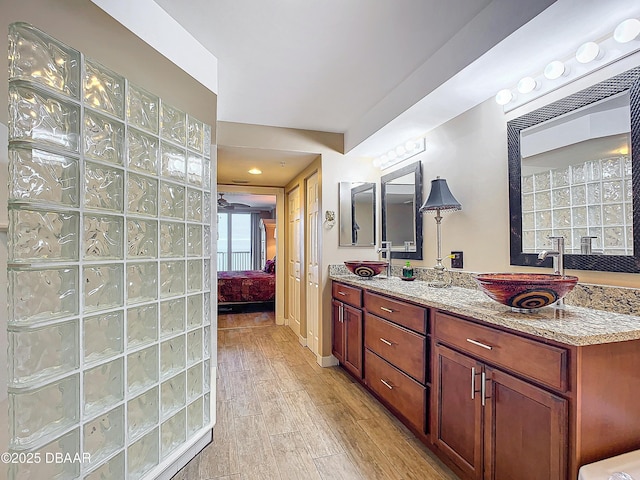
388	310
341	293
387	384
475	342
483	387
341	315
473	383
386	342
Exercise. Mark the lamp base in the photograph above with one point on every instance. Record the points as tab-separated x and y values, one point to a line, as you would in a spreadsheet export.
440	280
439	284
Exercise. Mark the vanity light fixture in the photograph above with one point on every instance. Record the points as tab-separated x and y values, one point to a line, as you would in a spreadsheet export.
527	85
255	171
400	153
627	31
504	96
440	198
554	70
588	52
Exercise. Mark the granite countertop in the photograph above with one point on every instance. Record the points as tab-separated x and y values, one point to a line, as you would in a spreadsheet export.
572	326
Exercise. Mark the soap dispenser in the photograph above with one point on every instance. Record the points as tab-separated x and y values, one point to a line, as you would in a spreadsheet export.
407	271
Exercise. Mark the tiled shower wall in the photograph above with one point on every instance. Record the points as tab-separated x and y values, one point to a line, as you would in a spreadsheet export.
109	269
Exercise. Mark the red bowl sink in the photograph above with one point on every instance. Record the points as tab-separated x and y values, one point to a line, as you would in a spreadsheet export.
366	268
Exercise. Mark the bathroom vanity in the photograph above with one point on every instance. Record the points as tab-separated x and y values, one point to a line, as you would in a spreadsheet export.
495	394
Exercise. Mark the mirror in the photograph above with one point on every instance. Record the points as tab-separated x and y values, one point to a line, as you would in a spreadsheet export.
401	193
357	214
572	165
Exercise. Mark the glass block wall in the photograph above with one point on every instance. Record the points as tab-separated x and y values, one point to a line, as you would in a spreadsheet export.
109	269
590	199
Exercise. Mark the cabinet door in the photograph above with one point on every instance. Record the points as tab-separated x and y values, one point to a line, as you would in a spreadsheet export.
525	430
352	320
456	428
338	330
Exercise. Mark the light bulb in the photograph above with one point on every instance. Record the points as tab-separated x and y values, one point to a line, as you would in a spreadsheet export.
527	85
392	154
255	171
587	52
400	150
627	30
504	96
554	70
410	145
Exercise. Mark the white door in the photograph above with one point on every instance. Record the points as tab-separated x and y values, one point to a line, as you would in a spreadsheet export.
312	260
294	264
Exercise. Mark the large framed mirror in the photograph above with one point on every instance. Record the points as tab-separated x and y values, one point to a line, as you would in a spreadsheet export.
401	193
357	214
574	171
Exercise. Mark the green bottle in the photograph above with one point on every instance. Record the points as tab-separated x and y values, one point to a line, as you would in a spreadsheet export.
407	271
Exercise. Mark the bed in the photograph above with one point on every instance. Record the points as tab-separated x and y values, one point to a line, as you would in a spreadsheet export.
246	286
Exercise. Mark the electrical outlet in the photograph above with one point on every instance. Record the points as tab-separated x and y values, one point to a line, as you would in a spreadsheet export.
456	260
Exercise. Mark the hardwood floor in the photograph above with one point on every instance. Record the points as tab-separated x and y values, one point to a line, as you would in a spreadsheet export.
282	416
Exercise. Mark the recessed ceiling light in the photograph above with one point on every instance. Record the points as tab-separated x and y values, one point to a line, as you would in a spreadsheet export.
240	181
627	30
587	52
255	171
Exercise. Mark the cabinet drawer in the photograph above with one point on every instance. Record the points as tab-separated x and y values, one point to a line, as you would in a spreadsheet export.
347	294
544	363
399	346
405	314
404	394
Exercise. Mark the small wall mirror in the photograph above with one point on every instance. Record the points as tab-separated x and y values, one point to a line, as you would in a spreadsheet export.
572	166
357	214
401	220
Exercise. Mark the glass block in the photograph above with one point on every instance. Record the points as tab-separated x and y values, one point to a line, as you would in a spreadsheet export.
579	216
172	356
65	447
173	124
542	181
207	375
526	184
562	218
207	408
142	152
207	274
594	193
206	241
173	432
561	197
111	470
194	311
611	168
194	382
103	138
628	190
142	282
543	219
578	233
206	208
142	325
579	195
194	205
39	176
143	412
194	169
561	177
38	235
143	455
206	141
142	109
195	131
142	195
103	89
142	369
612	191
206	314
594	214
613	237
39	117
613	214
103	237
207	342
593	171
103	187
36	354
194	346
542	200
194	240
578	174
173	162
142	238
171	200
194	417
206	174
528	241
528	221
172	316
527	202
104	435
172	279
42	294
172	395
596	243
37	415
628	214
39	58
172	239
103	336
542	238
103	387
103	287
194	275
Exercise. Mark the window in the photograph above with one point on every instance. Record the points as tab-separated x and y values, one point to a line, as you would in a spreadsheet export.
234	241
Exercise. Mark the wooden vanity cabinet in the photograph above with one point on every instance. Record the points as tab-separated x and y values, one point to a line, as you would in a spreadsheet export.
347	327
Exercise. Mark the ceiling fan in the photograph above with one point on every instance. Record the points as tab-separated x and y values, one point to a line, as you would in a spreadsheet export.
224	204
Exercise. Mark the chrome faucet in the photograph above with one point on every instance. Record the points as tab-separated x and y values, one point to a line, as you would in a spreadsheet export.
558	260
386	248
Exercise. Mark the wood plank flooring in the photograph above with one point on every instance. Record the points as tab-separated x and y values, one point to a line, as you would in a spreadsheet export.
282	416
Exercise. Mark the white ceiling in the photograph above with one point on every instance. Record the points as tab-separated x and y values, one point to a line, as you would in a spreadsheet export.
378	72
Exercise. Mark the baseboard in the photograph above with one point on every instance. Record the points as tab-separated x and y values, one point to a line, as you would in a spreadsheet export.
173	468
328	361
302	340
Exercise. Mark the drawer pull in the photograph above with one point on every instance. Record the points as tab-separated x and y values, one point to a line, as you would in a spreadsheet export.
341	293
473	383
388	310
475	342
386	342
387	384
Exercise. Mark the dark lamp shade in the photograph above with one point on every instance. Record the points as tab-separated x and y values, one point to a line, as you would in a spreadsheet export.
440	197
